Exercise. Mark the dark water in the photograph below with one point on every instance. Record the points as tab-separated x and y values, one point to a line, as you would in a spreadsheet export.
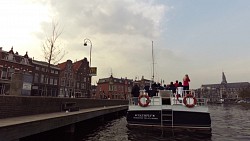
229	123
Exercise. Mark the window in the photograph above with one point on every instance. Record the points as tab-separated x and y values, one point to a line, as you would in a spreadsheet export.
36	77
84	79
70	75
42	78
51	81
77	85
46	81
10	57
10	72
55	81
52	71
4	73
68	83
56	72
83	86
111	88
37	68
62	82
43	69
26	61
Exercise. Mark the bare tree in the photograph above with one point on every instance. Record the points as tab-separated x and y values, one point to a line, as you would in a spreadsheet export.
52	51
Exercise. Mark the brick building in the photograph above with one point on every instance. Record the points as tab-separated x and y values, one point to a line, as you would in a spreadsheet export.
114	88
82	78
75	80
66	83
45	79
11	63
67	79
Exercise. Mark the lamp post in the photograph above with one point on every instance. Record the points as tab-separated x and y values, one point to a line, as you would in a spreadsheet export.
85	44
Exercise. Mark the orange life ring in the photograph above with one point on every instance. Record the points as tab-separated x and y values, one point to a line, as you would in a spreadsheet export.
185	101
147	101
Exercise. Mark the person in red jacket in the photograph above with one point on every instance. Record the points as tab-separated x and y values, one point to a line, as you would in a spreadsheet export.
186	81
176	84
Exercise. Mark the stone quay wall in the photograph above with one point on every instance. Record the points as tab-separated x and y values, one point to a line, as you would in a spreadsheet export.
14	106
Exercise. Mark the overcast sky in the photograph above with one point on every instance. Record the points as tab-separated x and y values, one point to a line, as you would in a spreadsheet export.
199	38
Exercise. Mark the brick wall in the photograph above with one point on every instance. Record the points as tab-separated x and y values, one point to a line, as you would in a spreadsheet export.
13	106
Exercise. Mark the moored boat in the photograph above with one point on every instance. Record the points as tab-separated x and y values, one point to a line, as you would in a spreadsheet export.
168	110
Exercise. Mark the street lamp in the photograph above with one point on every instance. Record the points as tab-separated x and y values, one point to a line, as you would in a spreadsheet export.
85	44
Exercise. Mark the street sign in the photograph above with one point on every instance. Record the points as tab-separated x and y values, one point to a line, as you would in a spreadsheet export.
92	71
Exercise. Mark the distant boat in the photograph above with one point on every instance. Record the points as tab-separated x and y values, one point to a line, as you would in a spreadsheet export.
169	111
221	101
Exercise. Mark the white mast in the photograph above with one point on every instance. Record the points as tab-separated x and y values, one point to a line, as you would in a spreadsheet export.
153	75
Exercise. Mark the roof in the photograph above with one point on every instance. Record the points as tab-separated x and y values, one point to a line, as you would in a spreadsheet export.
45	64
62	65
116	80
229	85
77	64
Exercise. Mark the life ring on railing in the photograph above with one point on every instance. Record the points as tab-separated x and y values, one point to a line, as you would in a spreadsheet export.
185	101
147	100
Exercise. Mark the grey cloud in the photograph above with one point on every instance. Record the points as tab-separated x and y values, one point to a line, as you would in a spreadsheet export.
106	17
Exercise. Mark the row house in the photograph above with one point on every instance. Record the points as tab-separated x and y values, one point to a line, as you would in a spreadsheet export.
66	82
82	78
66	79
75	80
113	88
11	63
45	79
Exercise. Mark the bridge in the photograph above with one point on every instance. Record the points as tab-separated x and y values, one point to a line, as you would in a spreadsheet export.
25	116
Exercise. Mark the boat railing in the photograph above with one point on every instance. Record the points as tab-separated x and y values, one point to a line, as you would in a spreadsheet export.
165	94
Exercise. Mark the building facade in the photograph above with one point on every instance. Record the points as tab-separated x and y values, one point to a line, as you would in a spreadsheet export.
67	79
11	63
113	88
66	82
143	83
224	90
82	78
45	79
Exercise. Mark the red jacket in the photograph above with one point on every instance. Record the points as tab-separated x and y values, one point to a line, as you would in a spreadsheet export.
186	81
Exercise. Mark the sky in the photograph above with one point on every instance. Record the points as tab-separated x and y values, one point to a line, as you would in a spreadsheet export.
198	38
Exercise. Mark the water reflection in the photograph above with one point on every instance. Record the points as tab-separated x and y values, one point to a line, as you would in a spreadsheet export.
165	135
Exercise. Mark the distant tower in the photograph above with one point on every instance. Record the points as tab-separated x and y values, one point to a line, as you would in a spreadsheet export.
224	80
223	87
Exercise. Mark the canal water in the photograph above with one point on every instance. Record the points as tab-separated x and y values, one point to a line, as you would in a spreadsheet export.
229	123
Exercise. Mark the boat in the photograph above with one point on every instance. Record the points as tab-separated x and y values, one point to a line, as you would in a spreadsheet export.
169	110
180	110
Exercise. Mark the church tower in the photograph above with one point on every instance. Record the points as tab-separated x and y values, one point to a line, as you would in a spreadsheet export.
224	80
223	87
